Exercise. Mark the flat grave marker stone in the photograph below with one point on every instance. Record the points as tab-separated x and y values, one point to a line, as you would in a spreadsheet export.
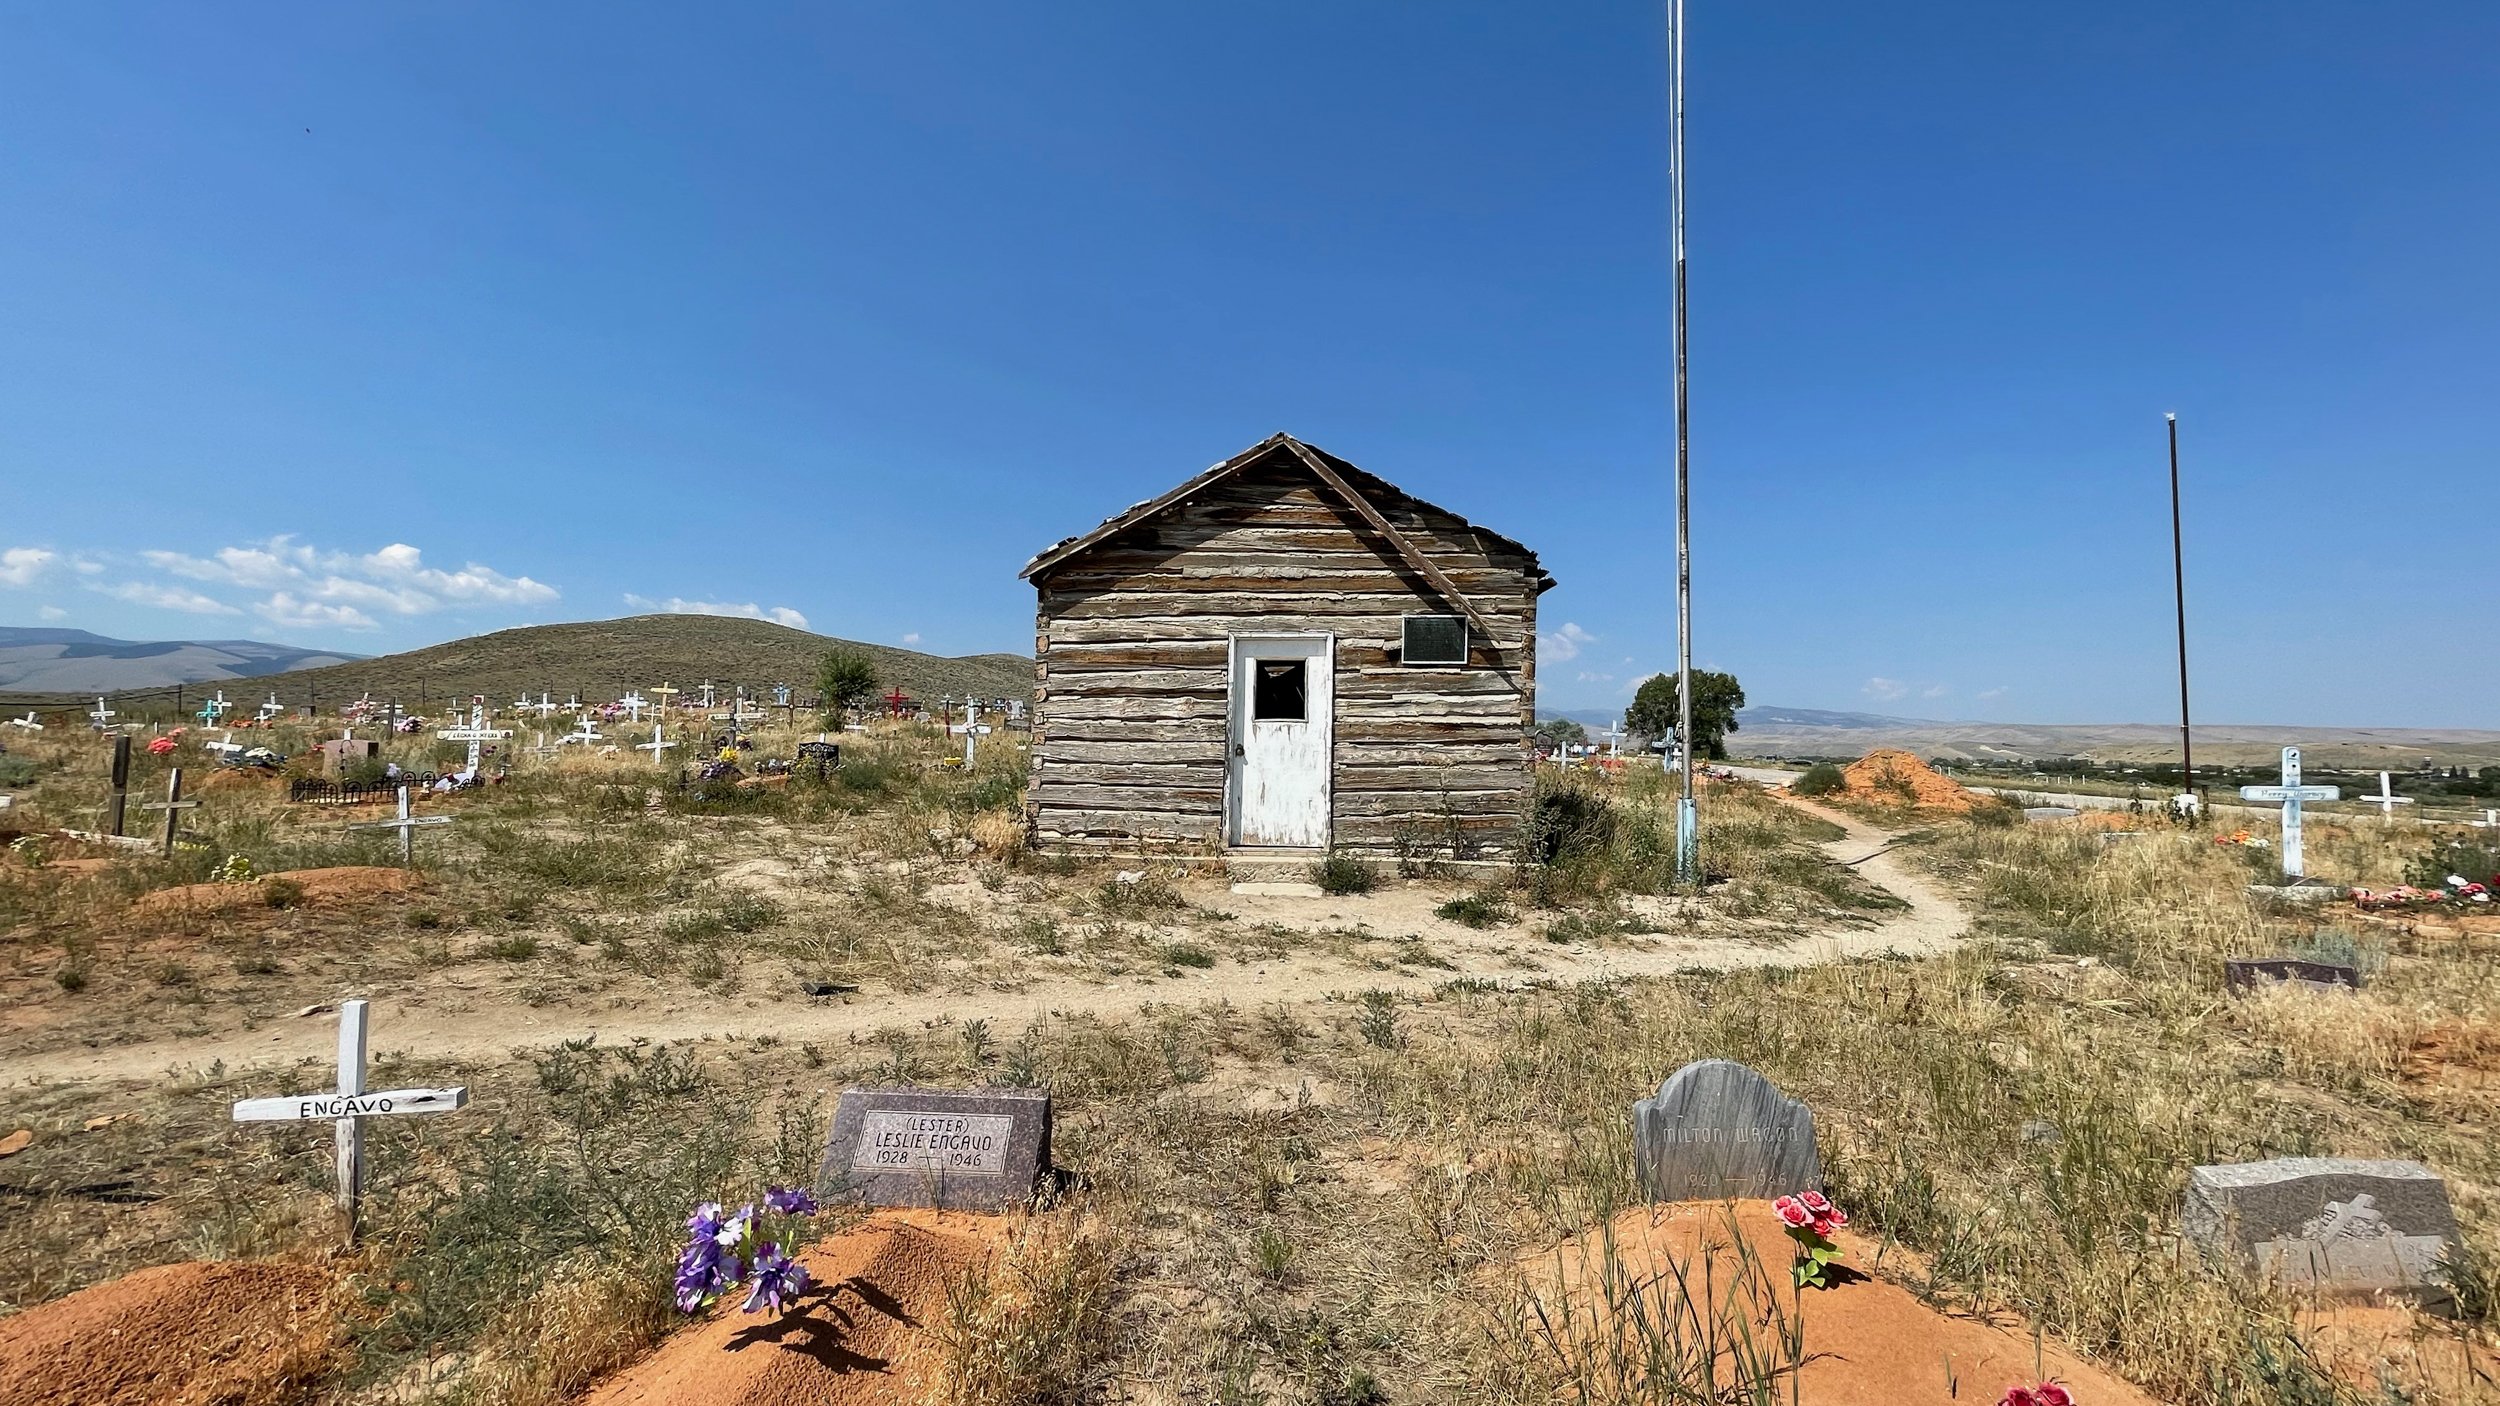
2329	1224
2241	976
984	1150
1718	1129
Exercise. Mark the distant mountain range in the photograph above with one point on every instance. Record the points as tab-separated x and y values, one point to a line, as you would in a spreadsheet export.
597	658
74	661
1815	732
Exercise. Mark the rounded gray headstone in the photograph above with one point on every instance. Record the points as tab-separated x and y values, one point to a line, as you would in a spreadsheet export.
1717	1129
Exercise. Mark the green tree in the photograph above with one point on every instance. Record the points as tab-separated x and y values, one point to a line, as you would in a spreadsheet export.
1716	697
1554	732
844	678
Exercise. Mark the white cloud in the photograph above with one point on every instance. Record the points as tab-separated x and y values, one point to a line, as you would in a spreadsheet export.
19	566
1986	694
1884	690
912	638
1935	690
285	608
51	612
1586	676
1565	643
161	597
394	580
679	605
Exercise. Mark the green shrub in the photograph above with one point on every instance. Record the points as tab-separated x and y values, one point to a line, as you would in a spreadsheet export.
1821	779
1188	954
1341	874
1476	910
1567	820
2470	857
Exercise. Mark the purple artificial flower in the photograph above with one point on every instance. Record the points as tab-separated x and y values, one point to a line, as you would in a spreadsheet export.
793	1201
705	1222
704	1272
777	1278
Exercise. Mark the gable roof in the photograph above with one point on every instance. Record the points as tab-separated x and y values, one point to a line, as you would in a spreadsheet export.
1357	488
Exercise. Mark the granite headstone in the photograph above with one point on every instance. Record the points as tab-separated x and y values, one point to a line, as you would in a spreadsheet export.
1718	1129
984	1150
2329	1224
2244	975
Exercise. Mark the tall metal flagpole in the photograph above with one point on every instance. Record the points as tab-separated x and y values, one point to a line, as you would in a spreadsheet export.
2178	581
1687	818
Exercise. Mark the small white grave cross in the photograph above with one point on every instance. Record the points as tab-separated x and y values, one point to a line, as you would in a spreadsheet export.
656	745
707	694
272	708
101	714
2291	793
27	722
2386	800
585	734
350	1104
406	826
223	746
173	805
546	707
633	705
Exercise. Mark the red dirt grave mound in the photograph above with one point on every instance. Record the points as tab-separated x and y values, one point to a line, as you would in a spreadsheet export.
317	888
1867	1342
859	1337
237	1333
1890	777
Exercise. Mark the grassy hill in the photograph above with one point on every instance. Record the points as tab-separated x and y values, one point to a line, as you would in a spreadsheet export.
598	659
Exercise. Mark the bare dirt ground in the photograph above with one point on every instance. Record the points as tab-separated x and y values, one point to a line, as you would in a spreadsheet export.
453	1019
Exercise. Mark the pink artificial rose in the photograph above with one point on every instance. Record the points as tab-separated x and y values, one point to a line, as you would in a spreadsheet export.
1792	1214
2045	1394
1813	1201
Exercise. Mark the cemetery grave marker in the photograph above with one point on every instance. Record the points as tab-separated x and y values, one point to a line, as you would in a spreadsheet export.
406	824
101	714
116	808
655	746
348	1106
2291	793
2386	800
633	705
475	734
27	722
173	805
821	755
583	735
2332	1224
272	708
985	1150
2243	976
1717	1129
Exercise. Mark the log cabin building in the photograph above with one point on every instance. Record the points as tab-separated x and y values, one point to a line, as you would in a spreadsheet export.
1284	655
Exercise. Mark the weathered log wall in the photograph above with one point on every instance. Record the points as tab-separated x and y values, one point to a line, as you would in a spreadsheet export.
1130	685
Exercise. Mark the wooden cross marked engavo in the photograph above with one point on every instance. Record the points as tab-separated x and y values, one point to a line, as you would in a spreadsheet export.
348	1106
2291	793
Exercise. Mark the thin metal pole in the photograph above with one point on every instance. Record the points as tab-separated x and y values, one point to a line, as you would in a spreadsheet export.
2178	581
1687	821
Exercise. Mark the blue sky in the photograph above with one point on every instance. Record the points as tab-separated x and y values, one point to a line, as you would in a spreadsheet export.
367	326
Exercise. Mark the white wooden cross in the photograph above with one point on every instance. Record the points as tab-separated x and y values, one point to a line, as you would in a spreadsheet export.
406	825
584	734
633	705
2291	793
217	707
101	714
546	707
224	746
27	722
542	750
346	1108
656	745
173	805
272	708
2386	800
707	694
475	733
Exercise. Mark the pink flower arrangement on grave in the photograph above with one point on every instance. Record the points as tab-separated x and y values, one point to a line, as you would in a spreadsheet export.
1810	1221
159	746
2045	1394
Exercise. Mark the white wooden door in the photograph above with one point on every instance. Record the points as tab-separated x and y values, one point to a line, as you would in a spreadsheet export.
1283	703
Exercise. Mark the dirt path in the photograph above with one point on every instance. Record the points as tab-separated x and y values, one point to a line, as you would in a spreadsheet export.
1932	923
